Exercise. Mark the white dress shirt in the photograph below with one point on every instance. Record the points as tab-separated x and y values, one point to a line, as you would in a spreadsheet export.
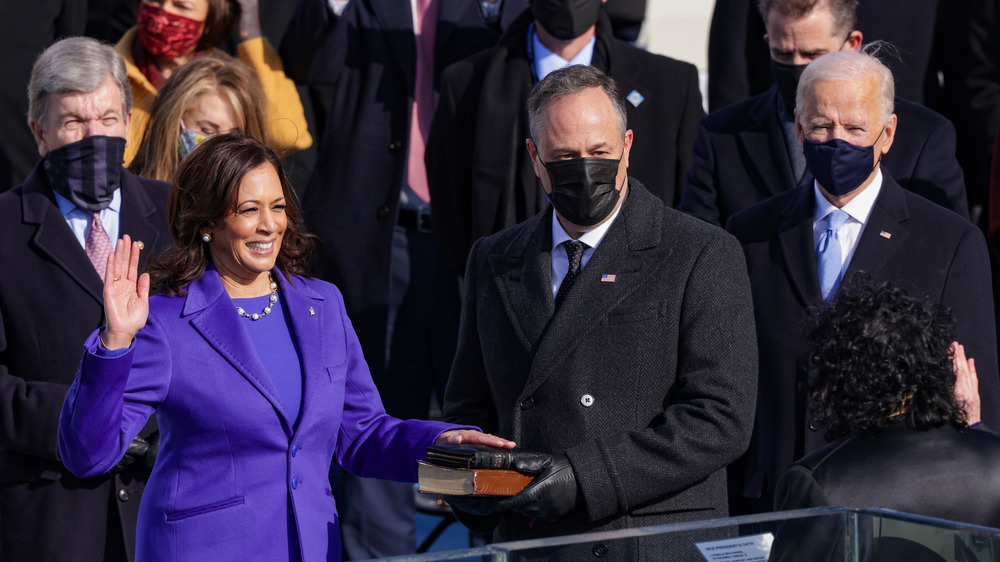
858	209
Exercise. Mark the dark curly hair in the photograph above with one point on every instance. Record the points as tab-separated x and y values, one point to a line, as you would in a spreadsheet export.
205	191
882	357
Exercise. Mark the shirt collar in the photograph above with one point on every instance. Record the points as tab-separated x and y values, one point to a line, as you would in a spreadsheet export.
66	206
545	61
591	238
858	208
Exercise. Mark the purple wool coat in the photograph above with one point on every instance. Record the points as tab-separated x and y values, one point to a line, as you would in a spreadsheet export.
233	479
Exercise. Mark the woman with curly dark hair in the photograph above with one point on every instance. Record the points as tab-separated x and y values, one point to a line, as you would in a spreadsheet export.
885	388
253	370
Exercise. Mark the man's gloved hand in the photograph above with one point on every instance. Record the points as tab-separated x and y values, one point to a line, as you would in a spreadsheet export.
137	449
552	493
474	505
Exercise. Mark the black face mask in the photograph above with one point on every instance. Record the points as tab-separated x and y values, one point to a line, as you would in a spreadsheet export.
786	78
87	172
839	166
566	19
583	189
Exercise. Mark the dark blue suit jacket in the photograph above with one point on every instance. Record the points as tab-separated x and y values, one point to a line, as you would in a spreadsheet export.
740	158
928	251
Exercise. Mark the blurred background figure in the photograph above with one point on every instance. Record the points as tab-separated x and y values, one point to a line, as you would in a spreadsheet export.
626	18
478	170
57	228
373	68
172	32
26	29
208	96
884	391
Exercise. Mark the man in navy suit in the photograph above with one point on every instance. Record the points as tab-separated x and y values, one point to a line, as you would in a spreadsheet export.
51	298
802	245
747	152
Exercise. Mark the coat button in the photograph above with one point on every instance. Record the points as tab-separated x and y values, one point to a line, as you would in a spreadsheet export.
395	145
123	495
587	400
600	550
383	211
295	450
295	482
527	403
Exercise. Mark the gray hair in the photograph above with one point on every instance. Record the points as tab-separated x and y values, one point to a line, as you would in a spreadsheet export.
75	64
567	81
850	66
843	11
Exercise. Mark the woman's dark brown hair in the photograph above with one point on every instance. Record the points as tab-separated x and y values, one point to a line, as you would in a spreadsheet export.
205	192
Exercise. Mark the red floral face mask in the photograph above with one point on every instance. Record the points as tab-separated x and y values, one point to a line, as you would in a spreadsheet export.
167	35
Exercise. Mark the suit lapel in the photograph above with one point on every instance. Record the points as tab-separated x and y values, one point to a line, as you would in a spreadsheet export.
768	156
214	317
305	310
519	272
396	17
884	231
637	228
795	235
53	238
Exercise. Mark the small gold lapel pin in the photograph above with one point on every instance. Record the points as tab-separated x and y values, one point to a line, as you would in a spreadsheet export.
311	311
142	246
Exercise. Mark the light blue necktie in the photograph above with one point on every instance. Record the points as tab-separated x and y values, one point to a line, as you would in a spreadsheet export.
829	260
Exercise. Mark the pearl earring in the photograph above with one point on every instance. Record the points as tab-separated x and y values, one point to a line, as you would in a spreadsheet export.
206	238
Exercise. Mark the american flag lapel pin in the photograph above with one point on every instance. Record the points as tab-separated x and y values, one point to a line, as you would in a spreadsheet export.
886	235
608	278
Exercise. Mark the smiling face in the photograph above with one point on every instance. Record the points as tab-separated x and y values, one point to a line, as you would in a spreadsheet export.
74	116
245	245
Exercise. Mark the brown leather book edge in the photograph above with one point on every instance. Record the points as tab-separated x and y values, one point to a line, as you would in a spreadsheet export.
485	481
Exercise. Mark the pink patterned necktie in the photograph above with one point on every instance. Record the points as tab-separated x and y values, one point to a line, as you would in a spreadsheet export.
423	96
98	245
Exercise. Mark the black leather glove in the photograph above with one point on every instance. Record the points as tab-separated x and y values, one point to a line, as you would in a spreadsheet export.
474	505
137	450
552	494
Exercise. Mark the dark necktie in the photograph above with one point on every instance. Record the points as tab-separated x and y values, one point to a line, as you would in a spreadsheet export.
574	251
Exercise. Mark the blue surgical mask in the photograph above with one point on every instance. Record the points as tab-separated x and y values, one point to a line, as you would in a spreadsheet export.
189	140
839	166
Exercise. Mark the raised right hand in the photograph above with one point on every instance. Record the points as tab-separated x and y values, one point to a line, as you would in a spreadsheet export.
126	295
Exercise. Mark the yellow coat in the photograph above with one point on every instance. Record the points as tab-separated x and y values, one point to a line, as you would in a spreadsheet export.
287	119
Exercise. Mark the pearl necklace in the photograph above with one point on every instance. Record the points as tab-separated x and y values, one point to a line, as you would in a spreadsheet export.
267	309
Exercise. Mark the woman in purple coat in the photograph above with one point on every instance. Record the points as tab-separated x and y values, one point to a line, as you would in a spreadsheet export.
254	372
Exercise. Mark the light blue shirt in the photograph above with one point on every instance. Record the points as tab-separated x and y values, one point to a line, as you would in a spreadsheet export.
858	209
79	219
545	61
